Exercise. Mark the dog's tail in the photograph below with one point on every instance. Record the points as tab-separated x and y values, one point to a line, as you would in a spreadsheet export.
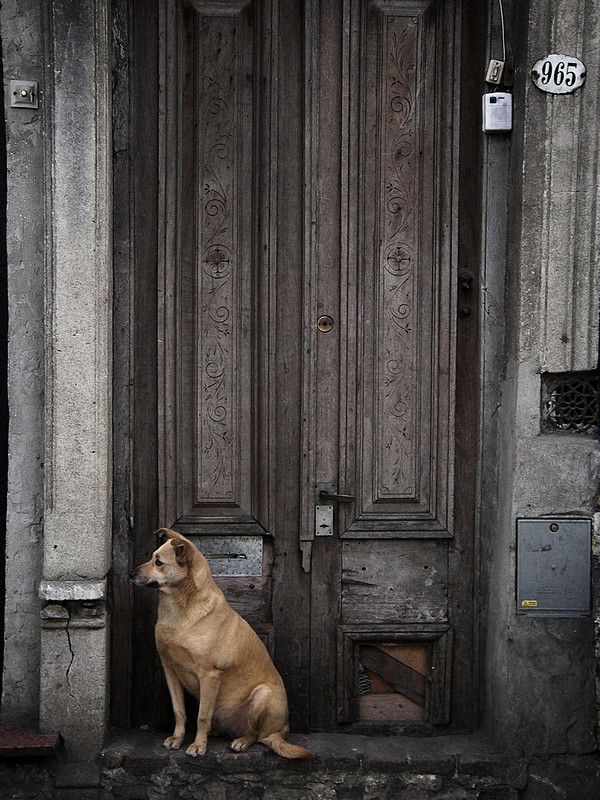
278	744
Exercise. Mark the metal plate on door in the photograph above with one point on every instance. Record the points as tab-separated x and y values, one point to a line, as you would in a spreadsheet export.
324	520
234	556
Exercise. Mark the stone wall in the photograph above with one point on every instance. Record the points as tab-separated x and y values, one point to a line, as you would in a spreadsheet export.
60	369
23	55
541	672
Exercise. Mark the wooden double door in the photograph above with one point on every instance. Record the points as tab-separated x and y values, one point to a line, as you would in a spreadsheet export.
305	339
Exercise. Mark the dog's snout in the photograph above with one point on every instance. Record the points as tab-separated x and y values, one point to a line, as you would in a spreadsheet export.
133	574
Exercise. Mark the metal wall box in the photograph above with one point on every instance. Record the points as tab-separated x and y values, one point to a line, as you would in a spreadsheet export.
554	558
231	556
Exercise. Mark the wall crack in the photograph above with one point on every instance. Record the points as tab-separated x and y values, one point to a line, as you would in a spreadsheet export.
70	665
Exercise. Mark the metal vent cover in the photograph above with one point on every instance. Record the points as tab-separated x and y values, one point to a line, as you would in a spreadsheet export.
570	402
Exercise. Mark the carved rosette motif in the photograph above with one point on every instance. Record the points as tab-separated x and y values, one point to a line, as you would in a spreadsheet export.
397	280
217	284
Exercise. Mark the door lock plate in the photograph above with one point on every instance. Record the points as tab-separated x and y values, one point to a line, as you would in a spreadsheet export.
324	510
323	520
325	323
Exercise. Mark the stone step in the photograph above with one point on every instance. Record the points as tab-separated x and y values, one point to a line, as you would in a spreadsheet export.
343	766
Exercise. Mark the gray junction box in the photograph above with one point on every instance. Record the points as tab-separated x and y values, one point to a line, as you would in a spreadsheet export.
554	559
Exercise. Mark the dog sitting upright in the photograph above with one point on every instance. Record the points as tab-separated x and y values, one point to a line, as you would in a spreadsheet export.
208	649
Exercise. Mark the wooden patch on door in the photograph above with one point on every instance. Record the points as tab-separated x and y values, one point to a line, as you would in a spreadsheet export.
392	682
387	582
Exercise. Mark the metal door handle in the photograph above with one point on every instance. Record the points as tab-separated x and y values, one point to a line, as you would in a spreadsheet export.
326	497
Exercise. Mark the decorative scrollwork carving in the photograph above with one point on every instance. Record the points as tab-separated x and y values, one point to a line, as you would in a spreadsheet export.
398	399
217	278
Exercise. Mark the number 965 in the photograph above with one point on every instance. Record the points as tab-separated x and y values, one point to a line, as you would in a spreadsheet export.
558	74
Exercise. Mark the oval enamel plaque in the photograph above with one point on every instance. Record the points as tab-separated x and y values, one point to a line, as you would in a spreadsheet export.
558	74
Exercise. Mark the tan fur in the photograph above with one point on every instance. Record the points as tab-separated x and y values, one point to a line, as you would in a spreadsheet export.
206	648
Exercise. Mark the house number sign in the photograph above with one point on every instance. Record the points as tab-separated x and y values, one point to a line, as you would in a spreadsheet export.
558	74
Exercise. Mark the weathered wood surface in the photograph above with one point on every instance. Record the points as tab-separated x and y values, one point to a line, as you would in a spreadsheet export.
303	163
394	582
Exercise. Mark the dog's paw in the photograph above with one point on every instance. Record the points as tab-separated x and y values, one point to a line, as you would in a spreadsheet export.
242	744
173	742
196	750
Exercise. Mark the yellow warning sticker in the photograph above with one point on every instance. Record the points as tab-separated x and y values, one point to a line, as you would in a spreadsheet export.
529	603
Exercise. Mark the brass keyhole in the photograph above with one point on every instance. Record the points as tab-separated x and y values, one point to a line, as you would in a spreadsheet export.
325	323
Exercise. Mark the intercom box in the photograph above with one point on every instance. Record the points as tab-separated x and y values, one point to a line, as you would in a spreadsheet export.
497	112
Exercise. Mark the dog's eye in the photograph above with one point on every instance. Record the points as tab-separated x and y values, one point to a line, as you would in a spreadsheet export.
158	562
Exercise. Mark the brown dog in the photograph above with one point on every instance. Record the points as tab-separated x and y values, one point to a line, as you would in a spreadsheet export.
208	649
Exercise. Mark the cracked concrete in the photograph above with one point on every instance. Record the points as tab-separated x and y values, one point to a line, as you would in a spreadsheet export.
68	675
74	681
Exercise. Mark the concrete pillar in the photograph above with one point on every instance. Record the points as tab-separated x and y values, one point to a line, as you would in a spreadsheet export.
78	465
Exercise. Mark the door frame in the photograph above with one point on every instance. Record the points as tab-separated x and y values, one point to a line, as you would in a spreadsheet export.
135	394
136	118
468	391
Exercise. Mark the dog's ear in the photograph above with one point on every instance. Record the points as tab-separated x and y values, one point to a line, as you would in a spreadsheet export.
163	535
181	549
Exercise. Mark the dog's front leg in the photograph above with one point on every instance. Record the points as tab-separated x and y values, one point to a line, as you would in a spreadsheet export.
209	689
178	703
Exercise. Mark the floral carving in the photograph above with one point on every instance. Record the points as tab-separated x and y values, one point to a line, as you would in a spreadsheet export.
398	260
217	263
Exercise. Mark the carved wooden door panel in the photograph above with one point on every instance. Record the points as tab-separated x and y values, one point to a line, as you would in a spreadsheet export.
380	399
308	340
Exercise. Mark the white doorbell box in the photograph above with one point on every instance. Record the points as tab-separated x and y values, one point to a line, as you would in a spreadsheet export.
497	112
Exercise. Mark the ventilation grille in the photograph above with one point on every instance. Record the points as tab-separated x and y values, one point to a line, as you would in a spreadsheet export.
570	402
